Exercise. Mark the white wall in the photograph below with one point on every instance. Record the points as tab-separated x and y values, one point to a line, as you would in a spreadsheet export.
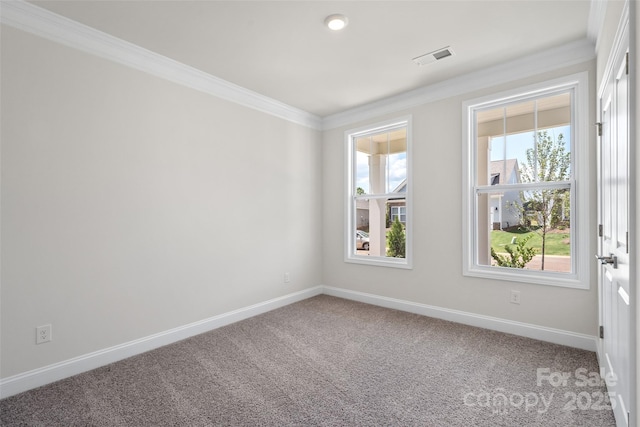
436	278
131	205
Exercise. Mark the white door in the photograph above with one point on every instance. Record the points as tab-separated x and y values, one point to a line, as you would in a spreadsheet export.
613	200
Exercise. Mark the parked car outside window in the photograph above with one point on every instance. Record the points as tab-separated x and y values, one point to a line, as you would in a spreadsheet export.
362	240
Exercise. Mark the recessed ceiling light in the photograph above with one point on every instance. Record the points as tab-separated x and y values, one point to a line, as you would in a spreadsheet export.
336	22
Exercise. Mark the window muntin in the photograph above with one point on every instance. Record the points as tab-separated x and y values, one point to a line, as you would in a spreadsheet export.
521	181
378	193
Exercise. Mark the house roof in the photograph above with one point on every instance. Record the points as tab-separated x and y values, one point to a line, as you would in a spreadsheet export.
401	188
498	169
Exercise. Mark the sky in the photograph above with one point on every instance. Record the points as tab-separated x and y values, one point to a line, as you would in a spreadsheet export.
396	171
517	144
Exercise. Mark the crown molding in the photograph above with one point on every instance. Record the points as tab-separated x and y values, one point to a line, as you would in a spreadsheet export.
41	22
597	11
560	57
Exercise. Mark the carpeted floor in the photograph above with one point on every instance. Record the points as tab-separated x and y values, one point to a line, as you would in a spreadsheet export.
331	362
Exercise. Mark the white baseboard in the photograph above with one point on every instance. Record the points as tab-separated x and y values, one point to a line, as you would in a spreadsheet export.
556	336
38	377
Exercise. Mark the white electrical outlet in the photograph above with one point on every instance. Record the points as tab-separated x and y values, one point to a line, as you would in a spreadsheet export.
287	278
515	297
43	334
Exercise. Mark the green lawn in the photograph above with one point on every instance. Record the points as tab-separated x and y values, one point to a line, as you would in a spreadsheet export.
557	242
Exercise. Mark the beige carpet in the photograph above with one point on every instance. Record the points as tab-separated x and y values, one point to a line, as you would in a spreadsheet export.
327	361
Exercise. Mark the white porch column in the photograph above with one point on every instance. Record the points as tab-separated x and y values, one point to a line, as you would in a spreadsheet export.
484	225
377	207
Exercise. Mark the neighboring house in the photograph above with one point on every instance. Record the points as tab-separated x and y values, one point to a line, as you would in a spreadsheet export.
398	207
505	208
395	208
362	214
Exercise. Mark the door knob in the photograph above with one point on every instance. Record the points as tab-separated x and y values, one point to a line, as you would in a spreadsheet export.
611	259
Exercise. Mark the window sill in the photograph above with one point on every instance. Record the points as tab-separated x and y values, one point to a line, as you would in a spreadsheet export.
564	280
379	261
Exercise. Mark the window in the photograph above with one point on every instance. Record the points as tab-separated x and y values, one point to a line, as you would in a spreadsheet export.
378	217
526	185
399	212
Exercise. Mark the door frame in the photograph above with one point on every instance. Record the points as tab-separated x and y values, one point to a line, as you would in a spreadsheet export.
634	200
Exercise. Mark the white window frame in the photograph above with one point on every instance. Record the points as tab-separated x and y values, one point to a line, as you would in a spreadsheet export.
350	254
401	211
580	211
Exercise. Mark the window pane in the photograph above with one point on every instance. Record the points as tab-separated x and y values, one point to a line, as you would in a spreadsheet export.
533	137
375	234
381	162
361	218
553	161
491	122
360	227
490	147
397	164
396	245
362	173
540	237
520	128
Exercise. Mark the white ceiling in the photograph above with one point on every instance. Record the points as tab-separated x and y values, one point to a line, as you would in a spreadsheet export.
282	50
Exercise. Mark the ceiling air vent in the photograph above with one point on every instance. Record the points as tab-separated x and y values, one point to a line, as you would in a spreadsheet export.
431	57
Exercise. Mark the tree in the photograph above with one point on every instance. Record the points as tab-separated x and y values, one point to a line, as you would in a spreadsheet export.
397	240
548	162
519	255
360	191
